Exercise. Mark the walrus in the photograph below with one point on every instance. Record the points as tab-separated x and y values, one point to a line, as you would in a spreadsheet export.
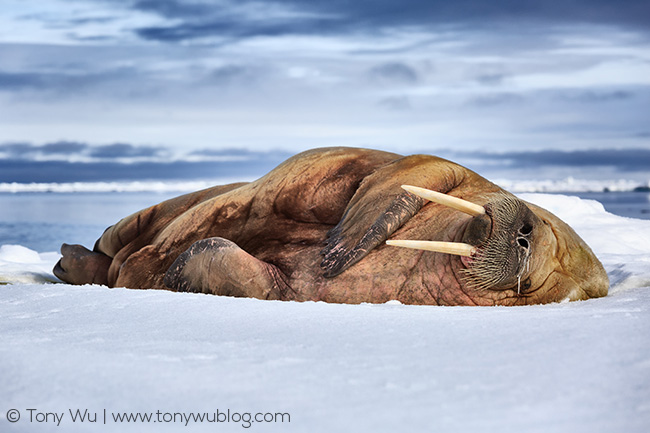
348	225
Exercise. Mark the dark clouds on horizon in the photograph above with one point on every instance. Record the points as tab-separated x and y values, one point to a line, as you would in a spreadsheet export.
66	161
60	162
69	149
22	171
623	160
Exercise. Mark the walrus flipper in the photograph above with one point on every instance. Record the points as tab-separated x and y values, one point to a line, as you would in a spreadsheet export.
78	265
343	247
380	206
218	266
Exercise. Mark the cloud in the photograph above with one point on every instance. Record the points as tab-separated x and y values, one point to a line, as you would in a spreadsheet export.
496	99
30	151
233	74
97	38
236	19
637	159
396	103
19	81
241	153
121	150
491	79
62	148
92	20
16	149
394	72
67	161
65	171
175	8
188	31
70	82
67	150
233	30
249	18
596	96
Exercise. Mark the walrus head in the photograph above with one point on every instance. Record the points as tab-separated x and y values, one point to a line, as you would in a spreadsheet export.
517	250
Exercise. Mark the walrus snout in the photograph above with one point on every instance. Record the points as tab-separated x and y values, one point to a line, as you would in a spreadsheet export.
496	245
504	247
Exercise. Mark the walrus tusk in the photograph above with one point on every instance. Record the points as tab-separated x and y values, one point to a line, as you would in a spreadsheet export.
446	200
456	248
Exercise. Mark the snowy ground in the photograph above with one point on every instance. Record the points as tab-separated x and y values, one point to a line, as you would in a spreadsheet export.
571	367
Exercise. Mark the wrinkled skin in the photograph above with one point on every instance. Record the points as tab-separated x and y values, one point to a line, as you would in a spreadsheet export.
315	229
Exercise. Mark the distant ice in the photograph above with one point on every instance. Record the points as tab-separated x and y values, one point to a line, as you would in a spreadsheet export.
568	367
568	184
123	186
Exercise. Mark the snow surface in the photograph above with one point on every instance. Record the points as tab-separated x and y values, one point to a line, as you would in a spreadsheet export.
566	367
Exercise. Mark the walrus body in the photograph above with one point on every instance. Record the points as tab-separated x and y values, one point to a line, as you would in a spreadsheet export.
315	228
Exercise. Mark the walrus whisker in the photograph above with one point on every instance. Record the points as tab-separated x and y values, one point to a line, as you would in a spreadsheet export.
446	200
455	248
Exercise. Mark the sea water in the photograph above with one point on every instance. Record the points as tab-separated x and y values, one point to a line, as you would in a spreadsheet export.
43	221
632	204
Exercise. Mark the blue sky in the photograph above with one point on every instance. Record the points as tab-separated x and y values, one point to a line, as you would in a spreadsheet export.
165	80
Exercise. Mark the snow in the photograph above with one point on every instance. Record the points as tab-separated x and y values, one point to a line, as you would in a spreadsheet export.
22	265
566	367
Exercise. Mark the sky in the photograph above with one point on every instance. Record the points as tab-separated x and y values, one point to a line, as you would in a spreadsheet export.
162	81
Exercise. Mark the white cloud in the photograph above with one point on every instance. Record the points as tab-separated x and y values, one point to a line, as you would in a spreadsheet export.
620	73
71	22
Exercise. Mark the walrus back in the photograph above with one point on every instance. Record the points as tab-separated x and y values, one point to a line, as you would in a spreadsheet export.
298	201
143	225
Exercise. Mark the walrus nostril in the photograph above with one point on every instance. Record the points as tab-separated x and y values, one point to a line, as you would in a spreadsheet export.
523	242
526	229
